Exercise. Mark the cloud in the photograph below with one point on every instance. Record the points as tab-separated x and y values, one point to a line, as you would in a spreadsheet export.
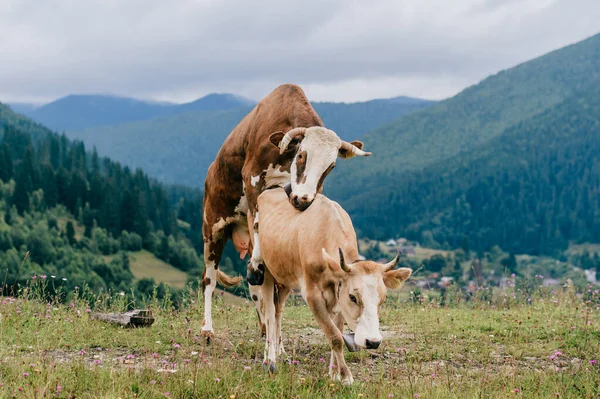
337	50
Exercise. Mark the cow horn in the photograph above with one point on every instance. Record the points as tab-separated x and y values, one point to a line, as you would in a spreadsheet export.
289	136
343	264
390	265
352	149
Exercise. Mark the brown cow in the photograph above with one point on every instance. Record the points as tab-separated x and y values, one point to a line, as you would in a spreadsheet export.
297	249
281	137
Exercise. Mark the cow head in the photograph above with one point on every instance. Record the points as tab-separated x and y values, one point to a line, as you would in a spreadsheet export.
315	150
362	291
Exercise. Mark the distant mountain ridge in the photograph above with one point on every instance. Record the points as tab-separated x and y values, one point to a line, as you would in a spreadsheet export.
75	112
179	148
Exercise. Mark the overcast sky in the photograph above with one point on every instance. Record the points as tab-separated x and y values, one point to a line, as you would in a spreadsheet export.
339	50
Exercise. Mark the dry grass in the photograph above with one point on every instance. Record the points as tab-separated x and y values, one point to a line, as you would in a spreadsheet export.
144	264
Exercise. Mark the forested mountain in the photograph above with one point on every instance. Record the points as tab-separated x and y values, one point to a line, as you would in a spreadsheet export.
465	121
83	111
533	189
49	186
179	148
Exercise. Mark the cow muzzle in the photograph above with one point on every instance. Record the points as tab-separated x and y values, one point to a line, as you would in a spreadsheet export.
300	203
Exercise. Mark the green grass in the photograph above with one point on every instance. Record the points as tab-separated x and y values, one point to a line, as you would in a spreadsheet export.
144	264
470	350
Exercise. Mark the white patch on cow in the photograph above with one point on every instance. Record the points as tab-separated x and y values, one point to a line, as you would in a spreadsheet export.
242	206
274	176
367	326
321	146
254	180
211	273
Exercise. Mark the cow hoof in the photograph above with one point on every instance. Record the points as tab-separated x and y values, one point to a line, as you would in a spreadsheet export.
255	277
270	367
208	335
348	380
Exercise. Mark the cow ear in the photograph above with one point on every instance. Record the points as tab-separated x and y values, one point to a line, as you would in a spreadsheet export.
333	264
276	138
395	278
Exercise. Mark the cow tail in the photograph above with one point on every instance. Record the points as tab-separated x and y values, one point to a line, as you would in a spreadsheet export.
227	281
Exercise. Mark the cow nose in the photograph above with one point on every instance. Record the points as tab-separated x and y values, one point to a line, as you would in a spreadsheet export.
300	203
372	344
295	201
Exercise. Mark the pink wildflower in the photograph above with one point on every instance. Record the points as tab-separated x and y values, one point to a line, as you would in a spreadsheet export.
25	375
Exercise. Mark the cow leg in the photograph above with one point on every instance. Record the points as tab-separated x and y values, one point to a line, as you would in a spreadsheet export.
268	291
281	294
256	267
338	320
255	290
256	295
317	304
213	249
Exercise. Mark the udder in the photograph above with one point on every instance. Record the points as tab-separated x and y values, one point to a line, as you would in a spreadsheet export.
241	239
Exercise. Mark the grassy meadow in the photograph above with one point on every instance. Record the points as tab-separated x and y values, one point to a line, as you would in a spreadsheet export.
499	344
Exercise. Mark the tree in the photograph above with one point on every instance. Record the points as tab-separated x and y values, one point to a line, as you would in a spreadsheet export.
464	244
25	182
88	220
436	263
6	166
125	260
8	216
71	233
510	263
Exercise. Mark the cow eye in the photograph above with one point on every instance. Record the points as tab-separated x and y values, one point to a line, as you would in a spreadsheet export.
352	298
300	156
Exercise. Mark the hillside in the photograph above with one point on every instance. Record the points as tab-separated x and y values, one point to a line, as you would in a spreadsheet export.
84	111
532	189
467	120
68	213
179	148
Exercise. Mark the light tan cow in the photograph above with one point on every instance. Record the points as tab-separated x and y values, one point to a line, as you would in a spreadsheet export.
316	251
